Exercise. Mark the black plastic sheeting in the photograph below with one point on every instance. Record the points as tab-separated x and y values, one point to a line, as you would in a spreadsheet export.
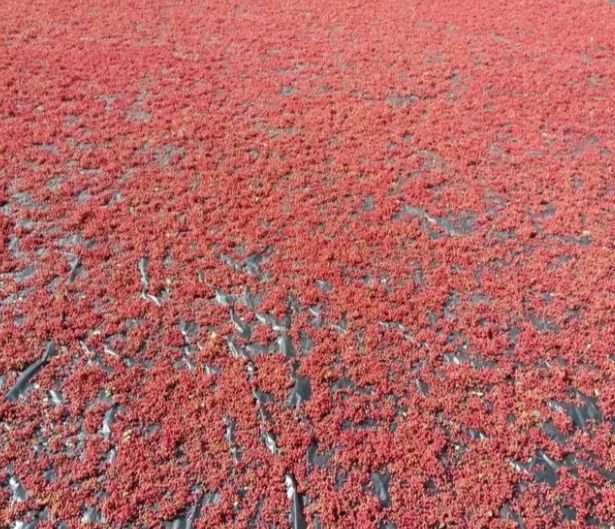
23	380
297	518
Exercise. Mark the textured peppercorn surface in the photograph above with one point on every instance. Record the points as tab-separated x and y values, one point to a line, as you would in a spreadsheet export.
270	264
